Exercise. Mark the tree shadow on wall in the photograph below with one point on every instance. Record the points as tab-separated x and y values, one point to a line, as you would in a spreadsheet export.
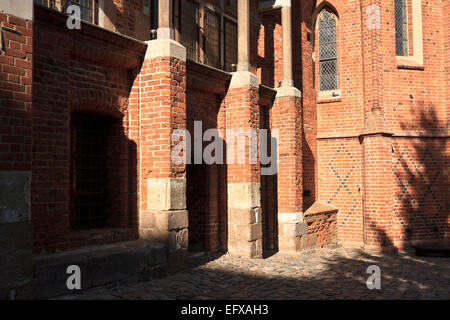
421	173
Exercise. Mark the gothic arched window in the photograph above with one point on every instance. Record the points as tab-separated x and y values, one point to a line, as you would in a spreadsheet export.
328	71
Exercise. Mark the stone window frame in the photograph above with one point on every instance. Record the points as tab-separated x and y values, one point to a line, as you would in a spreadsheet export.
331	95
414	59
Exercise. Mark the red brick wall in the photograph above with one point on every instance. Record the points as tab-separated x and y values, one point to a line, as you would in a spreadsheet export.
414	106
270	70
70	73
419	187
412	103
98	72
204	183
303	48
446	94
340	185
126	15
286	117
446	56
242	112
16	68
339	122
16	94
162	100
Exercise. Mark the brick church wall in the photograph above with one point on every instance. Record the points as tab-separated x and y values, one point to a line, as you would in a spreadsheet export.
203	184
339	122
415	110
94	70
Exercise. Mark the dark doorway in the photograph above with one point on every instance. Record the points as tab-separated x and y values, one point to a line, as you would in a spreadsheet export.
197	205
89	170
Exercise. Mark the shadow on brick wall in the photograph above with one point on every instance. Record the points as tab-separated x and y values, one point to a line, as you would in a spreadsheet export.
420	167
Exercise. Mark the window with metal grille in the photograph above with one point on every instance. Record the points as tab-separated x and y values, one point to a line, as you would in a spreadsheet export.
87	8
231	44
401	27
189	28
212	39
47	3
89	170
328	75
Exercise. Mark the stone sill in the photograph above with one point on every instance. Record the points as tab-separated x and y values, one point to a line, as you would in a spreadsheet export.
78	239
408	63
328	99
329	96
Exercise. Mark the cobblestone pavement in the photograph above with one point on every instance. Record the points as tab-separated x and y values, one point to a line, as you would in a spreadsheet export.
322	274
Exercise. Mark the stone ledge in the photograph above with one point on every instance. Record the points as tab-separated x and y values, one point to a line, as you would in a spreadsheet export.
138	260
320	208
204	78
22	8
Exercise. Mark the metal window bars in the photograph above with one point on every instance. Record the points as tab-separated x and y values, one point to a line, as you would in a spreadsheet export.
401	27
89	158
212	39
328	51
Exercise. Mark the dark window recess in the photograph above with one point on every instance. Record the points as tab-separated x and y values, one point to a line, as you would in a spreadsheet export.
89	155
154	5
189	31
231	44
212	39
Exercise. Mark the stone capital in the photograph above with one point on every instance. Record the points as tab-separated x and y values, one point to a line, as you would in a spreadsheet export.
288	92
242	79
165	48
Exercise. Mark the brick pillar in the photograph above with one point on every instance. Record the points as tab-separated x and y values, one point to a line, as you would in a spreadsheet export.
375	137
16	63
287	119
377	180
162	95
244	187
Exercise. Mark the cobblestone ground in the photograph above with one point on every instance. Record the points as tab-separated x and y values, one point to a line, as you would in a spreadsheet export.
322	274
